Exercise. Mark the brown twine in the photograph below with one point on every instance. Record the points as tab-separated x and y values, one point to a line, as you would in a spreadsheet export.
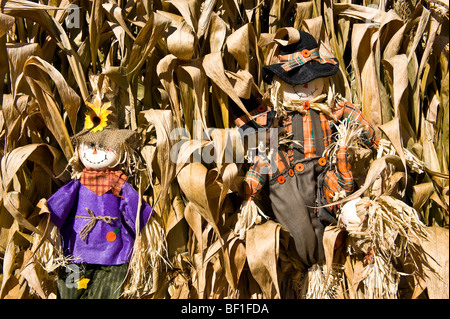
93	220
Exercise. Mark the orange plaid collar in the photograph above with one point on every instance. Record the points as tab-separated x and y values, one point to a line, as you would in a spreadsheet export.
101	181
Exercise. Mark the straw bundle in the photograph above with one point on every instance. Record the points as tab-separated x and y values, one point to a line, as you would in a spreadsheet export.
387	233
149	252
249	216
321	282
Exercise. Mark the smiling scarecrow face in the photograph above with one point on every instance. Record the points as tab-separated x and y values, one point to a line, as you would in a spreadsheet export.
94	157
101	144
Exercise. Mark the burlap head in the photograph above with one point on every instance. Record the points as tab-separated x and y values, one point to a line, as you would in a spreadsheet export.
108	138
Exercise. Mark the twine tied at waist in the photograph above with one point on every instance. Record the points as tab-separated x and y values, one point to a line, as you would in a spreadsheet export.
91	224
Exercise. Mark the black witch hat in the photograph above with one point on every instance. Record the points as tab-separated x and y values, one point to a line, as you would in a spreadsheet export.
300	62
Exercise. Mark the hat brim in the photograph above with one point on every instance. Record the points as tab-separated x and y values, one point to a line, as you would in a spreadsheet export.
300	75
107	138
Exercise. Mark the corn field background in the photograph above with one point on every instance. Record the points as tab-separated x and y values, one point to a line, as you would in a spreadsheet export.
180	64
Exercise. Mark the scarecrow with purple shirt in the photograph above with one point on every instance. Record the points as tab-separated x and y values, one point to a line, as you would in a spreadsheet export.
97	211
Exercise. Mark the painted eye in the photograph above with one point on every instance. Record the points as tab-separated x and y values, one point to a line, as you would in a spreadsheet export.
92	145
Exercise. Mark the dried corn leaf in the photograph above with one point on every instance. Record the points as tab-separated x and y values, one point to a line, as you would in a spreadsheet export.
95	26
193	181
165	70
217	33
189	9
6	23
40	86
239	44
40	15
163	123
213	66
181	42
42	154
262	247
421	194
8	263
205	16
69	98
436	271
146	40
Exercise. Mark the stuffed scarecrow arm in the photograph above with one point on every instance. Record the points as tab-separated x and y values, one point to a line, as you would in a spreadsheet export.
129	206
256	177
61	202
346	110
250	214
344	172
339	183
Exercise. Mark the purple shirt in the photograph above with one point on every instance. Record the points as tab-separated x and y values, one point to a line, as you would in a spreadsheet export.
73	199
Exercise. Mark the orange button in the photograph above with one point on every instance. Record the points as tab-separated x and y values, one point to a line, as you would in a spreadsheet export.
291	172
322	161
306	105
299	167
261	108
306	53
111	236
281	179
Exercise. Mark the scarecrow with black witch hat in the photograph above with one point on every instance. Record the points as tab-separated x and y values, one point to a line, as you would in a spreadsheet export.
300	174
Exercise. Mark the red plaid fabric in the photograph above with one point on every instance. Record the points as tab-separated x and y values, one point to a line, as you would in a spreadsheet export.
338	179
101	181
297	59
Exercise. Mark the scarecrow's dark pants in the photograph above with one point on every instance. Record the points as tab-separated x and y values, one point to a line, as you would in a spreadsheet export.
88	281
293	197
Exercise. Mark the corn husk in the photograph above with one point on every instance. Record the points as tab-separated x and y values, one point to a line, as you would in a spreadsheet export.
249	216
319	282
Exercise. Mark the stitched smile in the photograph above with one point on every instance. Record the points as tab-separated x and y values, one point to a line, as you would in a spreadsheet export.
84	156
302	94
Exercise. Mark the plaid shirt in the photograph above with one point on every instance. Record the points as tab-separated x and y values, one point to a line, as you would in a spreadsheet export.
101	181
336	180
